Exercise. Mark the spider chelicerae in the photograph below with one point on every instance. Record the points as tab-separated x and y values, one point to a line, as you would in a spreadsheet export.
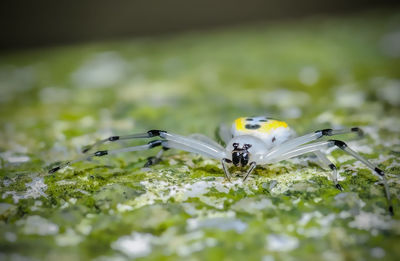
251	141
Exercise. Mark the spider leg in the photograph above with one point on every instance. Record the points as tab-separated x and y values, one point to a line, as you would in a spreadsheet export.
327	163
226	170
290	144
250	170
149	134
156	159
169	140
193	145
100	153
312	147
205	139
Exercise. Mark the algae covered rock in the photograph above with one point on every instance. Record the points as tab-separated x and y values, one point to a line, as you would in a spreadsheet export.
314	74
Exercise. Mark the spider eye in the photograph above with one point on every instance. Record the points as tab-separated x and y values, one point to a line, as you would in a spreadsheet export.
247	146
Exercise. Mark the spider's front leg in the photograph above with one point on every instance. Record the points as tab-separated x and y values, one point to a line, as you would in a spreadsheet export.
149	134
101	153
250	170
224	161
169	140
228	176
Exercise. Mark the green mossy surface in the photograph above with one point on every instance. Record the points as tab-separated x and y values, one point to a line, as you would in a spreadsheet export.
316	73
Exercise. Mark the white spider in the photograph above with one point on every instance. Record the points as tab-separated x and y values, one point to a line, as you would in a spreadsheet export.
251	141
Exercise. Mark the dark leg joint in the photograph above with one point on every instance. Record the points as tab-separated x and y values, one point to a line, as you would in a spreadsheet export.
332	166
325	132
339	144
379	171
339	187
113	138
155	143
153	133
54	169
358	130
151	161
100	153
391	210
86	149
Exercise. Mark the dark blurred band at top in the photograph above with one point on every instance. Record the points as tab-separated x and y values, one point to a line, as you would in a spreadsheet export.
28	24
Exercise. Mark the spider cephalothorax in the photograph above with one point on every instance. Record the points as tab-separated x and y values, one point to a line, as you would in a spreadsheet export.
240	156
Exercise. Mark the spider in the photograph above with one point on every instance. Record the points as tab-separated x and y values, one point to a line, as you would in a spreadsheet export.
251	141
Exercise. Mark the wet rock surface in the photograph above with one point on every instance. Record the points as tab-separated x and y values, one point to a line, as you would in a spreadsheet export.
315	74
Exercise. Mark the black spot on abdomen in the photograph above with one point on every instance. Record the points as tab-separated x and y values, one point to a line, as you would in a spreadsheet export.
252	126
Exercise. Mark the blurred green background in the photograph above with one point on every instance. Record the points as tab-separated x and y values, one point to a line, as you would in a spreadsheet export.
313	72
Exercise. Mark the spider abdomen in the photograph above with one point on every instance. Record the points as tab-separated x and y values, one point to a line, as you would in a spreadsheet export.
272	132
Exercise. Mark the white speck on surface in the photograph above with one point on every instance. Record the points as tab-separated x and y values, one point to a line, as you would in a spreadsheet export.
308	75
284	98
66	182
268	258
186	250
221	223
181	192
4	207
69	238
344	158
292	113
55	95
369	221
377	252
350	199
189	208
281	242
83	191
347	96
253	206
37	205
331	255
390	92
316	200
103	70
36	225
327	117
10	237
345	214
213	201
35	190
84	227
18	159
135	245
123	208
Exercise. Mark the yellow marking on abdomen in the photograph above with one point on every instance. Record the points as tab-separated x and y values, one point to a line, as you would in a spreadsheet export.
271	125
240	123
265	127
